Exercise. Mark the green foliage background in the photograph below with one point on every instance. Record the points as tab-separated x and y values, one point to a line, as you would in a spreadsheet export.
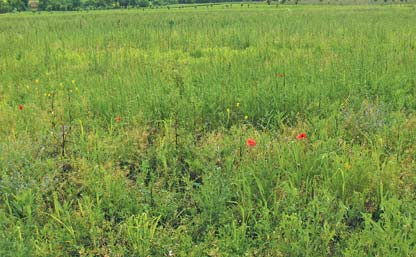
87	5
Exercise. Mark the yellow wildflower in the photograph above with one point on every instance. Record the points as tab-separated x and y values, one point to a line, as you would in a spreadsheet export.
347	166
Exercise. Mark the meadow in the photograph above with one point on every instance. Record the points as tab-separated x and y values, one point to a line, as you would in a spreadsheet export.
232	130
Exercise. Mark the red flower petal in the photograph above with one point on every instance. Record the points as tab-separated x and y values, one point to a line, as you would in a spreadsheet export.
21	107
301	136
251	142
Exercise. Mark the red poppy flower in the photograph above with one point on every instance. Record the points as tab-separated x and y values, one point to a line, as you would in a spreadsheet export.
301	136
251	142
118	119
21	107
280	75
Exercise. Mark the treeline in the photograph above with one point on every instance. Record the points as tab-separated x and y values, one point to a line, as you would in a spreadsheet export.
74	5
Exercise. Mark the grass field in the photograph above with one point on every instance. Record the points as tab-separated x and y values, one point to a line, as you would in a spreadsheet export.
175	132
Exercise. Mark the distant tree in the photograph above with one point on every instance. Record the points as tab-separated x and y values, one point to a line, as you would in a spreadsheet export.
4	6
143	3
100	3
186	1
76	4
18	5
123	3
43	4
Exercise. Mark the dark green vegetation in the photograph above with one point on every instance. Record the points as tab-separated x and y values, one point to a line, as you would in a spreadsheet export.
86	5
123	133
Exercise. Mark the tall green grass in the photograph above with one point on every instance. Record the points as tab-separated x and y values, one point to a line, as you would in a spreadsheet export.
131	138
